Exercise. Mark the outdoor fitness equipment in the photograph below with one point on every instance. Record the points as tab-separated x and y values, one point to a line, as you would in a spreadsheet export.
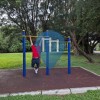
47	52
45	38
50	44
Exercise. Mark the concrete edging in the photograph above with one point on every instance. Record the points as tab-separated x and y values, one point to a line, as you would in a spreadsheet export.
54	92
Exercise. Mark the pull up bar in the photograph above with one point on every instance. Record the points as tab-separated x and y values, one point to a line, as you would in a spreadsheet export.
24	54
35	36
47	54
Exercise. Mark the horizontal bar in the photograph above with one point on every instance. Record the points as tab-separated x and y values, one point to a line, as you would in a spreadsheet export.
34	36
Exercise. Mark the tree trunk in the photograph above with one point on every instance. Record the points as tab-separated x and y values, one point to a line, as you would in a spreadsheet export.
86	44
75	51
91	48
81	51
32	28
86	47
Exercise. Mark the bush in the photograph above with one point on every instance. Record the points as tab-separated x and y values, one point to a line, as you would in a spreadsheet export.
10	40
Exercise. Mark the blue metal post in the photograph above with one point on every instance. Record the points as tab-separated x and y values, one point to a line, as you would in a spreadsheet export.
47	54
69	56
24	53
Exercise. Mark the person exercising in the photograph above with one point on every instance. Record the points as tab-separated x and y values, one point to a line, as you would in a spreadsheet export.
35	55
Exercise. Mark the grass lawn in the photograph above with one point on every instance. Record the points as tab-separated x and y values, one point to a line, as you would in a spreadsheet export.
14	60
90	95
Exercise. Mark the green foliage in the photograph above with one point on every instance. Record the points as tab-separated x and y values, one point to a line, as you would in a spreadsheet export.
16	46
10	41
28	48
4	43
18	3
82	16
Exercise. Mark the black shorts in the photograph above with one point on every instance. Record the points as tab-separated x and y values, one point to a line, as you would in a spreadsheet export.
36	62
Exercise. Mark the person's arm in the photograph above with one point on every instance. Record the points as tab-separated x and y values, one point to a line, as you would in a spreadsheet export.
31	40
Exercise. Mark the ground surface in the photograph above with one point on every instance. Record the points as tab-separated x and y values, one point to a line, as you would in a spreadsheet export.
12	81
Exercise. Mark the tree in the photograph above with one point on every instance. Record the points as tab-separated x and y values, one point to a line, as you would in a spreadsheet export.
74	18
88	17
71	24
28	14
9	41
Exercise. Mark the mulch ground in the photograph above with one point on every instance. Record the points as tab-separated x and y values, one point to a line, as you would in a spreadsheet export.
12	81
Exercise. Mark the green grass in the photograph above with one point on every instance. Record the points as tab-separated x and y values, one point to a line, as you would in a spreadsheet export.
90	95
14	60
81	62
10	60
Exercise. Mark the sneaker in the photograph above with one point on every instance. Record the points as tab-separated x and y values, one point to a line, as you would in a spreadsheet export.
36	71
